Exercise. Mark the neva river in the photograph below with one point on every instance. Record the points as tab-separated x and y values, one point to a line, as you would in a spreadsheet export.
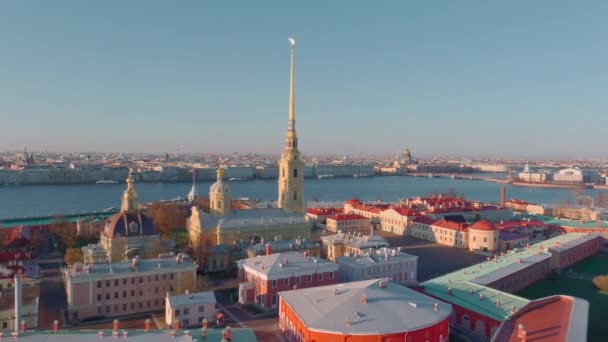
19	201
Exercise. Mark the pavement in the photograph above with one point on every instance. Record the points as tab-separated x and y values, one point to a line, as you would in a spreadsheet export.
433	259
52	294
265	326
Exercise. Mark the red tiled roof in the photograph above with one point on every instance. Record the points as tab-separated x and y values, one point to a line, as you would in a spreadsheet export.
347	217
405	211
425	220
324	211
353	201
544	320
483	225
450	225
520	224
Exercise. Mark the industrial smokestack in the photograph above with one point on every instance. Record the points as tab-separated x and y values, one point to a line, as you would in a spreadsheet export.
503	196
18	300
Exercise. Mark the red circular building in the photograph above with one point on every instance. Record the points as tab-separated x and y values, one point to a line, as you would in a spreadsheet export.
370	310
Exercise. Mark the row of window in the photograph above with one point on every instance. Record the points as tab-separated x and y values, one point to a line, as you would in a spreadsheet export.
124	293
186	311
140	280
140	306
275	282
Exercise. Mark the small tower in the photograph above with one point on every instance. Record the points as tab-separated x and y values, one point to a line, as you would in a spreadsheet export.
219	196
129	197
291	165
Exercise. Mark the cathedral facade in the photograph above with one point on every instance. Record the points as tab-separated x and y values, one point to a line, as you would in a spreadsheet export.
223	226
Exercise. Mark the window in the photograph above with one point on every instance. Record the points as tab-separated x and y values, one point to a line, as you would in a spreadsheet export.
124	307
141	280
141	292
115	307
107	296
164	276
132	306
201	309
98	297
156	290
156	277
274	300
320	276
132	280
186	323
309	278
298	279
115	295
274	284
141	305
4	325
124	281
177	312
98	284
485	239
108	309
286	281
186	311
295	173
132	293
107	283
148	304
115	282
295	195
331	275
124	294
171	276
156	302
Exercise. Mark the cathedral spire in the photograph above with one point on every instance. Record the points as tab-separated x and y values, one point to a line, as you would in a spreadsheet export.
292	95
291	165
129	197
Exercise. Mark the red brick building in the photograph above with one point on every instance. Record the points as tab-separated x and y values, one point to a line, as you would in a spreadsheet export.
363	311
263	277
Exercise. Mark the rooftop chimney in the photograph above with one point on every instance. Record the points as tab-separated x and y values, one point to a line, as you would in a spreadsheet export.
268	249
55	326
436	306
115	325
364	299
147	325
450	291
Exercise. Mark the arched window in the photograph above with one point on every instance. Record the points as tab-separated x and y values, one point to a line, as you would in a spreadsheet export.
295	173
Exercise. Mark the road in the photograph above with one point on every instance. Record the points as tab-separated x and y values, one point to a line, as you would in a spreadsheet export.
52	294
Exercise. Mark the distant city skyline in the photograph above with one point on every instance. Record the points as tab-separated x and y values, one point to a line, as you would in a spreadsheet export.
516	79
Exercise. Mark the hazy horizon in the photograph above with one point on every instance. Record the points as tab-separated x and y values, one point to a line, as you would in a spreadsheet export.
518	80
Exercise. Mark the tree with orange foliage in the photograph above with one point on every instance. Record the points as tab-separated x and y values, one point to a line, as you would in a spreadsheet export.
73	255
167	217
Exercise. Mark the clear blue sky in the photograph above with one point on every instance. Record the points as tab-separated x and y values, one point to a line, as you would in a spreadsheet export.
516	78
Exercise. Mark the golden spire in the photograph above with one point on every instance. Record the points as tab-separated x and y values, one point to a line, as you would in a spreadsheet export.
292	96
129	197
220	174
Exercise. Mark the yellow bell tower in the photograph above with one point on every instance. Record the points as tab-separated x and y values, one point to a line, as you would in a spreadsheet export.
291	165
129	197
219	196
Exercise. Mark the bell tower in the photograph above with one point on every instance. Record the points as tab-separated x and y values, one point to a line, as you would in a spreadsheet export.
291	165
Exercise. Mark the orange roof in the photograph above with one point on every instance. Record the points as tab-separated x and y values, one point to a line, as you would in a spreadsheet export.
347	217
353	201
483	225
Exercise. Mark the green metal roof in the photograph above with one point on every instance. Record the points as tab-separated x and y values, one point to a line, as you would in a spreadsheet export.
469	283
46	220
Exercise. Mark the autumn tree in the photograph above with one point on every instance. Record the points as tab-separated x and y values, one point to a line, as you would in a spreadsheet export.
168	217
63	230
73	255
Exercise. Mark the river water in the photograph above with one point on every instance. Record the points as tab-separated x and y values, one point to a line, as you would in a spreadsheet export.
19	201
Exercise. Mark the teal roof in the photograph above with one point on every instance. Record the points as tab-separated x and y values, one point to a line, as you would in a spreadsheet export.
46	220
469	284
564	221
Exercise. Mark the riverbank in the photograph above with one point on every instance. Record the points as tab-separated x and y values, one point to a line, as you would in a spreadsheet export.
551	185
